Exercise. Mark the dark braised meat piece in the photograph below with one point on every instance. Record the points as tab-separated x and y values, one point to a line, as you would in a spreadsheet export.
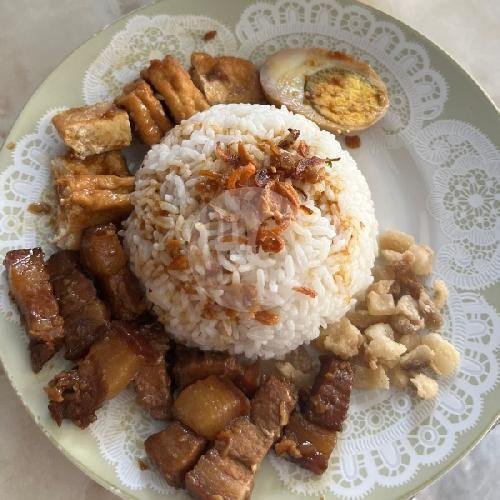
216	477
328	402
82	311
175	451
76	394
173	82
111	364
306	444
208	405
103	255
244	442
152	382
272	405
192	365
145	110
226	79
30	288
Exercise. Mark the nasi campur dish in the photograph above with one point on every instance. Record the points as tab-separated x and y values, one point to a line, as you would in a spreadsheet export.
238	282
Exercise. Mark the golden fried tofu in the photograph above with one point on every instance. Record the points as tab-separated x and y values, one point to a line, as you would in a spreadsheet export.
88	200
110	163
91	130
145	110
173	82
226	79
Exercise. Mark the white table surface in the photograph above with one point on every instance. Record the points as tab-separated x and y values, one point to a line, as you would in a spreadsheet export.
35	35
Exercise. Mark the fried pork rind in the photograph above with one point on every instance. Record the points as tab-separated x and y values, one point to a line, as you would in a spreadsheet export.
91	130
172	81
383	349
342	339
145	110
366	378
88	200
440	294
226	79
446	357
396	241
427	388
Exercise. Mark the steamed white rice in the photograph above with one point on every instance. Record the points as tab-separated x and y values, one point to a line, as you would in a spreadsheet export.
330	250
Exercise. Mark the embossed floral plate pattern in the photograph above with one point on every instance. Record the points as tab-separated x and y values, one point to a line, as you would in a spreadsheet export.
433	164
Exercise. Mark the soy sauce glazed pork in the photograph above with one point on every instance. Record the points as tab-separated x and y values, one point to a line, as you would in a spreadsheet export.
111	365
192	365
103	256
32	291
83	312
311	435
228	469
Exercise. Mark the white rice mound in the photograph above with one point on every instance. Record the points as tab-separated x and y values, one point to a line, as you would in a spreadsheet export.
331	250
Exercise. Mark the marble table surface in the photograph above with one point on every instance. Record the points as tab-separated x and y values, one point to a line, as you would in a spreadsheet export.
35	35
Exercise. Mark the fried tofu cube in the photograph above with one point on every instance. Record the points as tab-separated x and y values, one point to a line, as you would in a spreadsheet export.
306	444
208	405
91	130
110	163
216	477
175	451
173	82
226	79
145	110
88	200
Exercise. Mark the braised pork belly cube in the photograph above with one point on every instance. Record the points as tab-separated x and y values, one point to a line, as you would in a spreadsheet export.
306	444
226	79
192	365
244	442
103	255
328	401
145	110
87	200
272	405
76	394
208	405
173	82
91	130
110	163
218	477
111	364
83	312
175	451
152	382
32	291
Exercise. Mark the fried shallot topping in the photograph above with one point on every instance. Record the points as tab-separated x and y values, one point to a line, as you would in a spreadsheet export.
240	176
289	140
267	317
306	291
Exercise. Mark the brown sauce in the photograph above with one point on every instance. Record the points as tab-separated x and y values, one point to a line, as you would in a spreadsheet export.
39	208
352	141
